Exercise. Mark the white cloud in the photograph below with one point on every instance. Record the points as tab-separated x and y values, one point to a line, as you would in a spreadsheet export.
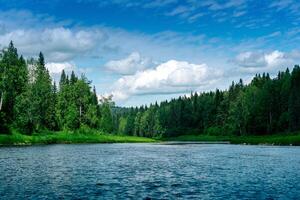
133	63
281	4
275	58
58	44
167	78
64	44
195	17
214	5
61	44
269	62
251	59
159	3
178	11
56	68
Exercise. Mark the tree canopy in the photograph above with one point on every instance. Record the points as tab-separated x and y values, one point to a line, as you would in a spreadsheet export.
31	102
264	106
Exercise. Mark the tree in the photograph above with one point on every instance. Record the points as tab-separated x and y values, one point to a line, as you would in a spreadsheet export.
63	79
25	109
52	121
14	79
43	97
31	102
158	130
92	119
73	78
137	122
294	100
284	87
72	118
122	125
129	128
106	122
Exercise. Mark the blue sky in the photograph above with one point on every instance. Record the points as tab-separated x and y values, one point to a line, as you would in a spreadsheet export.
145	51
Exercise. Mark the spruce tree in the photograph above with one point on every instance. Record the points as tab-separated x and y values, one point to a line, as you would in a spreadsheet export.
294	101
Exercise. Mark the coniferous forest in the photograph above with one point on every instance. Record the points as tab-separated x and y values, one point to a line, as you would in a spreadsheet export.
265	106
31	102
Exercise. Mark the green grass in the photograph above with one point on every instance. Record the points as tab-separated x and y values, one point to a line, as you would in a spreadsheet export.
92	136
278	139
68	138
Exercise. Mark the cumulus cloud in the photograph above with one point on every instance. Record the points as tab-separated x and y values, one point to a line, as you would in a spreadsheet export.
133	63
261	61
56	68
167	78
251	59
58	44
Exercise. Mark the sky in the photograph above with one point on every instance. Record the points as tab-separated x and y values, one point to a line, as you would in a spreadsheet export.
142	51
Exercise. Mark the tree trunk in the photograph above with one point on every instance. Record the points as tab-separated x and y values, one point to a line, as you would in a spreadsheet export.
80	111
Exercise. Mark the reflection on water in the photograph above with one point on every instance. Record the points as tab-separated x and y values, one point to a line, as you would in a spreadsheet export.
120	171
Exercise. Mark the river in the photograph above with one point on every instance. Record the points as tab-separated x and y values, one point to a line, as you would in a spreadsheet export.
140	171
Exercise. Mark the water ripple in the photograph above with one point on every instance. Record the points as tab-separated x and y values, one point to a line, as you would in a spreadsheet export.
141	171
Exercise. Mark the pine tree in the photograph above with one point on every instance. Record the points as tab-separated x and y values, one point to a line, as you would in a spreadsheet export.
106	122
14	78
294	101
63	79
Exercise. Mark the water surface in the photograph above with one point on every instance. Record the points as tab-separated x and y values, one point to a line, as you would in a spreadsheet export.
137	171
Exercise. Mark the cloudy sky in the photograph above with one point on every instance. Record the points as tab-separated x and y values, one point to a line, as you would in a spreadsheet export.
143	51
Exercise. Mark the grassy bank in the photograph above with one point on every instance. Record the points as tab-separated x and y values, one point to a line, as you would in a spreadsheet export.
63	137
68	138
278	139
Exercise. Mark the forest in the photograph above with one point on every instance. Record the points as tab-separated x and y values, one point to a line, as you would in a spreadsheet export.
31	102
265	106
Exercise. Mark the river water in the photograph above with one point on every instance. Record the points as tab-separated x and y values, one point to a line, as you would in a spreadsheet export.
141	171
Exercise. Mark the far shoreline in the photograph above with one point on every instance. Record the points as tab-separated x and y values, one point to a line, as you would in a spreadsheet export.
17	139
287	139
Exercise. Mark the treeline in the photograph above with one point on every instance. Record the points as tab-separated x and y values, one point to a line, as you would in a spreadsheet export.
265	106
31	102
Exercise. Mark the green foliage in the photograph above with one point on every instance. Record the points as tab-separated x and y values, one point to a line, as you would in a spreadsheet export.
64	137
214	130
72	120
92	117
85	130
122	125
265	106
31	103
26	118
13	80
106	121
294	100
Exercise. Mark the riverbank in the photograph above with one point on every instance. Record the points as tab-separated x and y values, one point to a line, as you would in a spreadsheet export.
278	139
18	139
63	137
